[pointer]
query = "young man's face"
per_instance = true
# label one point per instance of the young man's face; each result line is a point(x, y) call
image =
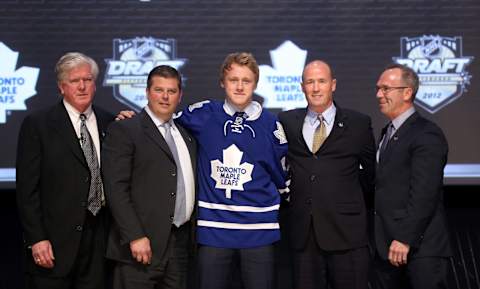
point(239, 84)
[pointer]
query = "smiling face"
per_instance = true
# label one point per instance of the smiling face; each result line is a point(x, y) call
point(318, 86)
point(163, 95)
point(393, 95)
point(78, 87)
point(239, 84)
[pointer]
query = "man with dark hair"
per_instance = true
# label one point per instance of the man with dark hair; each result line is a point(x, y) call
point(411, 236)
point(241, 148)
point(59, 186)
point(148, 165)
point(331, 154)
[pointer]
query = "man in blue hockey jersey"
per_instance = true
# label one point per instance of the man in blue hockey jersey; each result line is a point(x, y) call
point(240, 174)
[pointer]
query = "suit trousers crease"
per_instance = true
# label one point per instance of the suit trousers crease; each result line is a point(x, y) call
point(88, 271)
point(315, 268)
point(171, 273)
point(419, 273)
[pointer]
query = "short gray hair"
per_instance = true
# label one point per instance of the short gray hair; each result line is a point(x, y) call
point(73, 60)
point(409, 77)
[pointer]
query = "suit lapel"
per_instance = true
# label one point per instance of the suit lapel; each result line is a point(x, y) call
point(339, 126)
point(154, 134)
point(101, 125)
point(299, 120)
point(398, 137)
point(61, 123)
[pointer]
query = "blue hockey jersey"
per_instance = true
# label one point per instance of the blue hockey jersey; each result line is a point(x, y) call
point(240, 173)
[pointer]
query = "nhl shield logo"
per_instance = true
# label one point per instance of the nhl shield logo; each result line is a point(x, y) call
point(132, 60)
point(441, 67)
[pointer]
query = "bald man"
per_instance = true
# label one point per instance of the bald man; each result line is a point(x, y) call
point(331, 155)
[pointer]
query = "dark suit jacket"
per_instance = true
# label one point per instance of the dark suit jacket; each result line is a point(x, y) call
point(409, 190)
point(328, 187)
point(53, 182)
point(140, 185)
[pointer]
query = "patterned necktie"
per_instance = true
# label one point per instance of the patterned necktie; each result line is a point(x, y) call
point(95, 192)
point(320, 135)
point(180, 204)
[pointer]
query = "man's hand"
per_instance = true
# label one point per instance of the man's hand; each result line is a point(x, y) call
point(124, 114)
point(42, 254)
point(397, 255)
point(141, 250)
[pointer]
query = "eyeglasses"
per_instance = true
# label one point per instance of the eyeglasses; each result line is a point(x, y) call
point(387, 89)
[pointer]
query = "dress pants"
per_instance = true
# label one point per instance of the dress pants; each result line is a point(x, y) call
point(256, 267)
point(170, 273)
point(315, 268)
point(419, 273)
point(88, 271)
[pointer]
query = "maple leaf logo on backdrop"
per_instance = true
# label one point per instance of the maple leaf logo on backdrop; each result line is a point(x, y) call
point(231, 175)
point(280, 85)
point(16, 86)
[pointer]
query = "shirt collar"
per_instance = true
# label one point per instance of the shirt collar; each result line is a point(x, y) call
point(73, 111)
point(328, 115)
point(253, 109)
point(399, 120)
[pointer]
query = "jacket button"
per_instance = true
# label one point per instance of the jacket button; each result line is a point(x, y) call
point(309, 201)
point(312, 178)
point(174, 174)
point(315, 156)
point(83, 204)
point(87, 179)
point(171, 217)
point(374, 212)
point(78, 228)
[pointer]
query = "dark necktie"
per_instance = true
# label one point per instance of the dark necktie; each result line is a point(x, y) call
point(319, 135)
point(95, 192)
point(179, 217)
point(386, 138)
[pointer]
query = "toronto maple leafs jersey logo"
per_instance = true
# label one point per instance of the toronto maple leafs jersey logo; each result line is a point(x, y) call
point(231, 174)
point(16, 85)
point(237, 125)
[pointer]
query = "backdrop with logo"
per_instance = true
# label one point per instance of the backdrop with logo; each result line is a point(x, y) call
point(439, 39)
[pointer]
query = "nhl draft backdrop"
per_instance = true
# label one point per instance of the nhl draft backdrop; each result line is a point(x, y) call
point(439, 39)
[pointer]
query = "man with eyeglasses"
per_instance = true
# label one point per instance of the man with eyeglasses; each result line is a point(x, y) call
point(411, 236)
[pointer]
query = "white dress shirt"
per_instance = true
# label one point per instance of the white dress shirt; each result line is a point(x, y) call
point(184, 157)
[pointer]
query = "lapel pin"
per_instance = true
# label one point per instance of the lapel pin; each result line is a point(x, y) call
point(340, 124)
point(395, 137)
